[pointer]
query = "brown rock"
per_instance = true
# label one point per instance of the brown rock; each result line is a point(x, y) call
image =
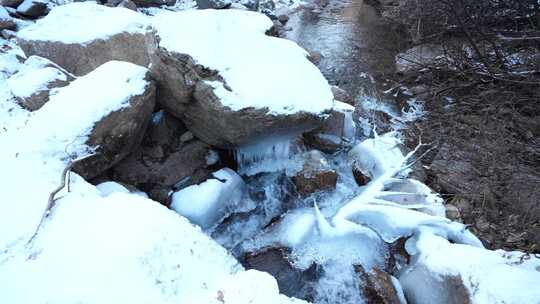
point(164, 162)
point(32, 8)
point(342, 95)
point(315, 175)
point(377, 286)
point(291, 281)
point(361, 178)
point(117, 134)
point(81, 59)
point(336, 132)
point(11, 3)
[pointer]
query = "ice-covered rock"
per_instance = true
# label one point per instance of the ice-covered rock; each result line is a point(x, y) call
point(375, 156)
point(207, 203)
point(32, 84)
point(236, 96)
point(442, 272)
point(81, 36)
point(379, 287)
point(165, 160)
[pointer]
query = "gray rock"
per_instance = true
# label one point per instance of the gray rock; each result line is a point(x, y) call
point(342, 95)
point(418, 57)
point(151, 3)
point(32, 8)
point(215, 4)
point(118, 133)
point(6, 21)
point(336, 132)
point(128, 4)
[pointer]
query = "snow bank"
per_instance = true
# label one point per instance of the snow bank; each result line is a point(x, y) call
point(83, 22)
point(490, 277)
point(34, 76)
point(52, 135)
point(236, 46)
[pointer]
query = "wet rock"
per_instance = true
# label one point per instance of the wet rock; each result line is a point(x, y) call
point(117, 134)
point(7, 34)
point(342, 95)
point(291, 281)
point(378, 287)
point(316, 175)
point(81, 49)
point(33, 83)
point(360, 177)
point(337, 131)
point(32, 8)
point(164, 162)
point(215, 4)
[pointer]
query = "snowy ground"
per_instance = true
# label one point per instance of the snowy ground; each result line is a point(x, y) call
point(106, 245)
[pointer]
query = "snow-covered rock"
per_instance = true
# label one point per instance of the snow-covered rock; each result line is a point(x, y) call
point(454, 273)
point(239, 94)
point(82, 36)
point(32, 84)
point(205, 204)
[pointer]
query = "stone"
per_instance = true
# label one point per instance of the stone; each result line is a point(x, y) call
point(316, 175)
point(7, 34)
point(205, 99)
point(215, 4)
point(120, 132)
point(128, 4)
point(342, 95)
point(377, 286)
point(11, 3)
point(452, 212)
point(187, 136)
point(337, 131)
point(164, 162)
point(360, 177)
point(33, 83)
point(283, 19)
point(80, 49)
point(418, 57)
point(153, 3)
point(291, 281)
point(6, 21)
point(32, 8)
point(315, 57)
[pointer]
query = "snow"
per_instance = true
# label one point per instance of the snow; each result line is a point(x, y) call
point(84, 22)
point(206, 203)
point(33, 77)
point(100, 244)
point(236, 46)
point(491, 277)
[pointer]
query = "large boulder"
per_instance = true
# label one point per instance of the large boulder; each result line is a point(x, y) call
point(129, 97)
point(166, 160)
point(82, 36)
point(32, 84)
point(241, 95)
